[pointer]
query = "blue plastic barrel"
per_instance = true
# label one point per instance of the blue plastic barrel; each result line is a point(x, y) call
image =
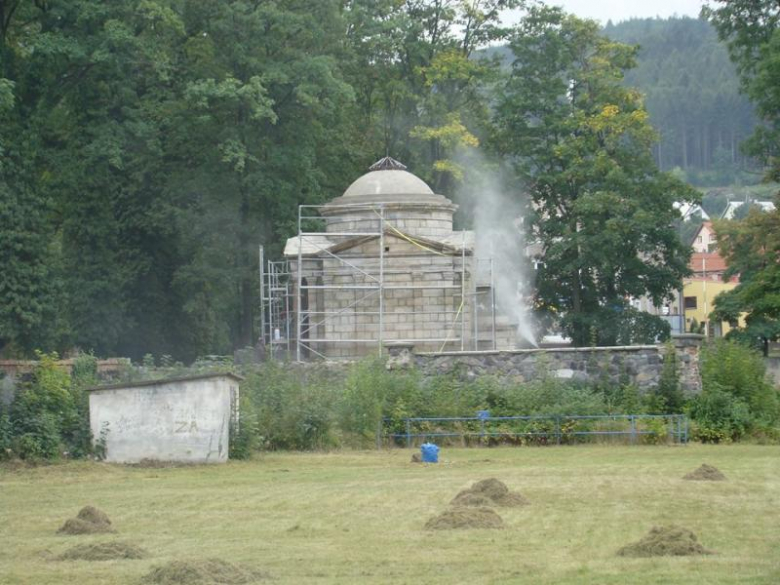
point(430, 453)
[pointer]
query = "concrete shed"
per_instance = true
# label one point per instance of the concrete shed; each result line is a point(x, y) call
point(179, 419)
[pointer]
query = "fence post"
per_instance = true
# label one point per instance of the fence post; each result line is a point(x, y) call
point(557, 429)
point(408, 433)
point(632, 419)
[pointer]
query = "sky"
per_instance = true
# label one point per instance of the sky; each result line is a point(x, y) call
point(617, 10)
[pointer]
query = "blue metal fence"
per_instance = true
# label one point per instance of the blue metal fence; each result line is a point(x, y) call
point(542, 429)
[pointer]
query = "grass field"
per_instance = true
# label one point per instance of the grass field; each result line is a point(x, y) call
point(357, 517)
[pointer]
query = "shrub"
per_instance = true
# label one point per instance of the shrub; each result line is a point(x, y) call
point(720, 416)
point(75, 429)
point(294, 408)
point(6, 434)
point(244, 432)
point(740, 371)
point(40, 410)
point(49, 415)
point(671, 399)
point(37, 437)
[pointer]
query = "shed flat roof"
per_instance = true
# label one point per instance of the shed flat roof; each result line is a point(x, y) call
point(161, 381)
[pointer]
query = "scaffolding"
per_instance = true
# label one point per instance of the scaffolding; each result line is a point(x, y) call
point(275, 316)
point(330, 301)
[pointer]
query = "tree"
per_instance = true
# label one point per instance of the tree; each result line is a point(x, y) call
point(26, 279)
point(158, 143)
point(751, 28)
point(260, 126)
point(751, 248)
point(600, 210)
point(420, 85)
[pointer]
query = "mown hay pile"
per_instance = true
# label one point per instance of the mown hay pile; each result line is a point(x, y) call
point(665, 541)
point(104, 551)
point(706, 473)
point(463, 517)
point(466, 498)
point(89, 520)
point(202, 572)
point(489, 492)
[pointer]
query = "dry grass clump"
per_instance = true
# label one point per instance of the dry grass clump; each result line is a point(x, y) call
point(463, 517)
point(202, 572)
point(511, 500)
point(489, 492)
point(89, 520)
point(706, 473)
point(104, 551)
point(467, 498)
point(665, 541)
point(160, 464)
point(416, 458)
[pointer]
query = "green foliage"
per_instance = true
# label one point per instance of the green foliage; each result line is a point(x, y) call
point(76, 432)
point(720, 416)
point(691, 92)
point(40, 411)
point(740, 372)
point(369, 395)
point(27, 284)
point(49, 416)
point(293, 411)
point(244, 432)
point(669, 390)
point(147, 147)
point(736, 398)
point(751, 248)
point(751, 29)
point(6, 434)
point(602, 213)
point(315, 407)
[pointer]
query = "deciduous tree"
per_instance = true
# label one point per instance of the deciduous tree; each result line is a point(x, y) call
point(600, 210)
point(751, 248)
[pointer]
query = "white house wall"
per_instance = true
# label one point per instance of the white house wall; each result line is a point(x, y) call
point(169, 421)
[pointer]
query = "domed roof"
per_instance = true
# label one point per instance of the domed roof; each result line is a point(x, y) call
point(388, 182)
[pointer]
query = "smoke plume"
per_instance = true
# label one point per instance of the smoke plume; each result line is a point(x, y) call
point(496, 208)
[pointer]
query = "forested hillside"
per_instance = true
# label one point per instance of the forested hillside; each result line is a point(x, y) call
point(692, 95)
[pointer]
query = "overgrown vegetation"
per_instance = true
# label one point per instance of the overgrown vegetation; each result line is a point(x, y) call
point(736, 398)
point(318, 406)
point(49, 415)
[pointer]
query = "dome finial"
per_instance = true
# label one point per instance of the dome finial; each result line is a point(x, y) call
point(387, 164)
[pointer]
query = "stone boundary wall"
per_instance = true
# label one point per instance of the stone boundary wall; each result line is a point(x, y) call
point(14, 371)
point(640, 364)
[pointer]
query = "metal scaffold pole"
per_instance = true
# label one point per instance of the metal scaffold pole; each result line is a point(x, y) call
point(381, 276)
point(492, 305)
point(261, 266)
point(299, 270)
point(463, 291)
